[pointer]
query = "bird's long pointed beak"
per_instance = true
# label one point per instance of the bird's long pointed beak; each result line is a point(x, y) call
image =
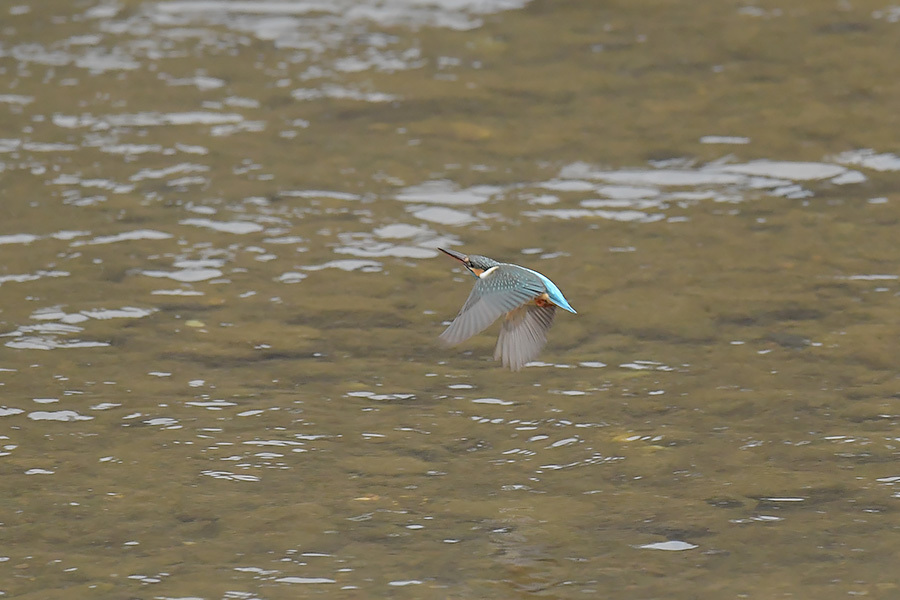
point(457, 255)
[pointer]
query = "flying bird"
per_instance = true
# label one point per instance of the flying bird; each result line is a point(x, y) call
point(525, 299)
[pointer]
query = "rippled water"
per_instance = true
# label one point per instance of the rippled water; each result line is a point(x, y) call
point(220, 295)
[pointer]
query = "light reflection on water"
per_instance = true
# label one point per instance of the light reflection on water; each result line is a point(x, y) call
point(220, 368)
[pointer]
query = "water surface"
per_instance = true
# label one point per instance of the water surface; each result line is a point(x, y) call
point(220, 295)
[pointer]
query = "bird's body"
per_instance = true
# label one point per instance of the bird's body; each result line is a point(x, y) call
point(526, 299)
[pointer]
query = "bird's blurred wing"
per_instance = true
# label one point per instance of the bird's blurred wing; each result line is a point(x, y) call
point(523, 334)
point(505, 288)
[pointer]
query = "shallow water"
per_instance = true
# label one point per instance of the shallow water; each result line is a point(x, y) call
point(220, 296)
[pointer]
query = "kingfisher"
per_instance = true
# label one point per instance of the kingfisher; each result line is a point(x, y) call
point(526, 299)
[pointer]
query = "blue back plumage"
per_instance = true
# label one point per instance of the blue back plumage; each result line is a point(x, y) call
point(555, 294)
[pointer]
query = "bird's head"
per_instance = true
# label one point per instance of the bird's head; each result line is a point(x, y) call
point(474, 263)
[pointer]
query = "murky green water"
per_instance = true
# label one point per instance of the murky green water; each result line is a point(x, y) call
point(220, 298)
